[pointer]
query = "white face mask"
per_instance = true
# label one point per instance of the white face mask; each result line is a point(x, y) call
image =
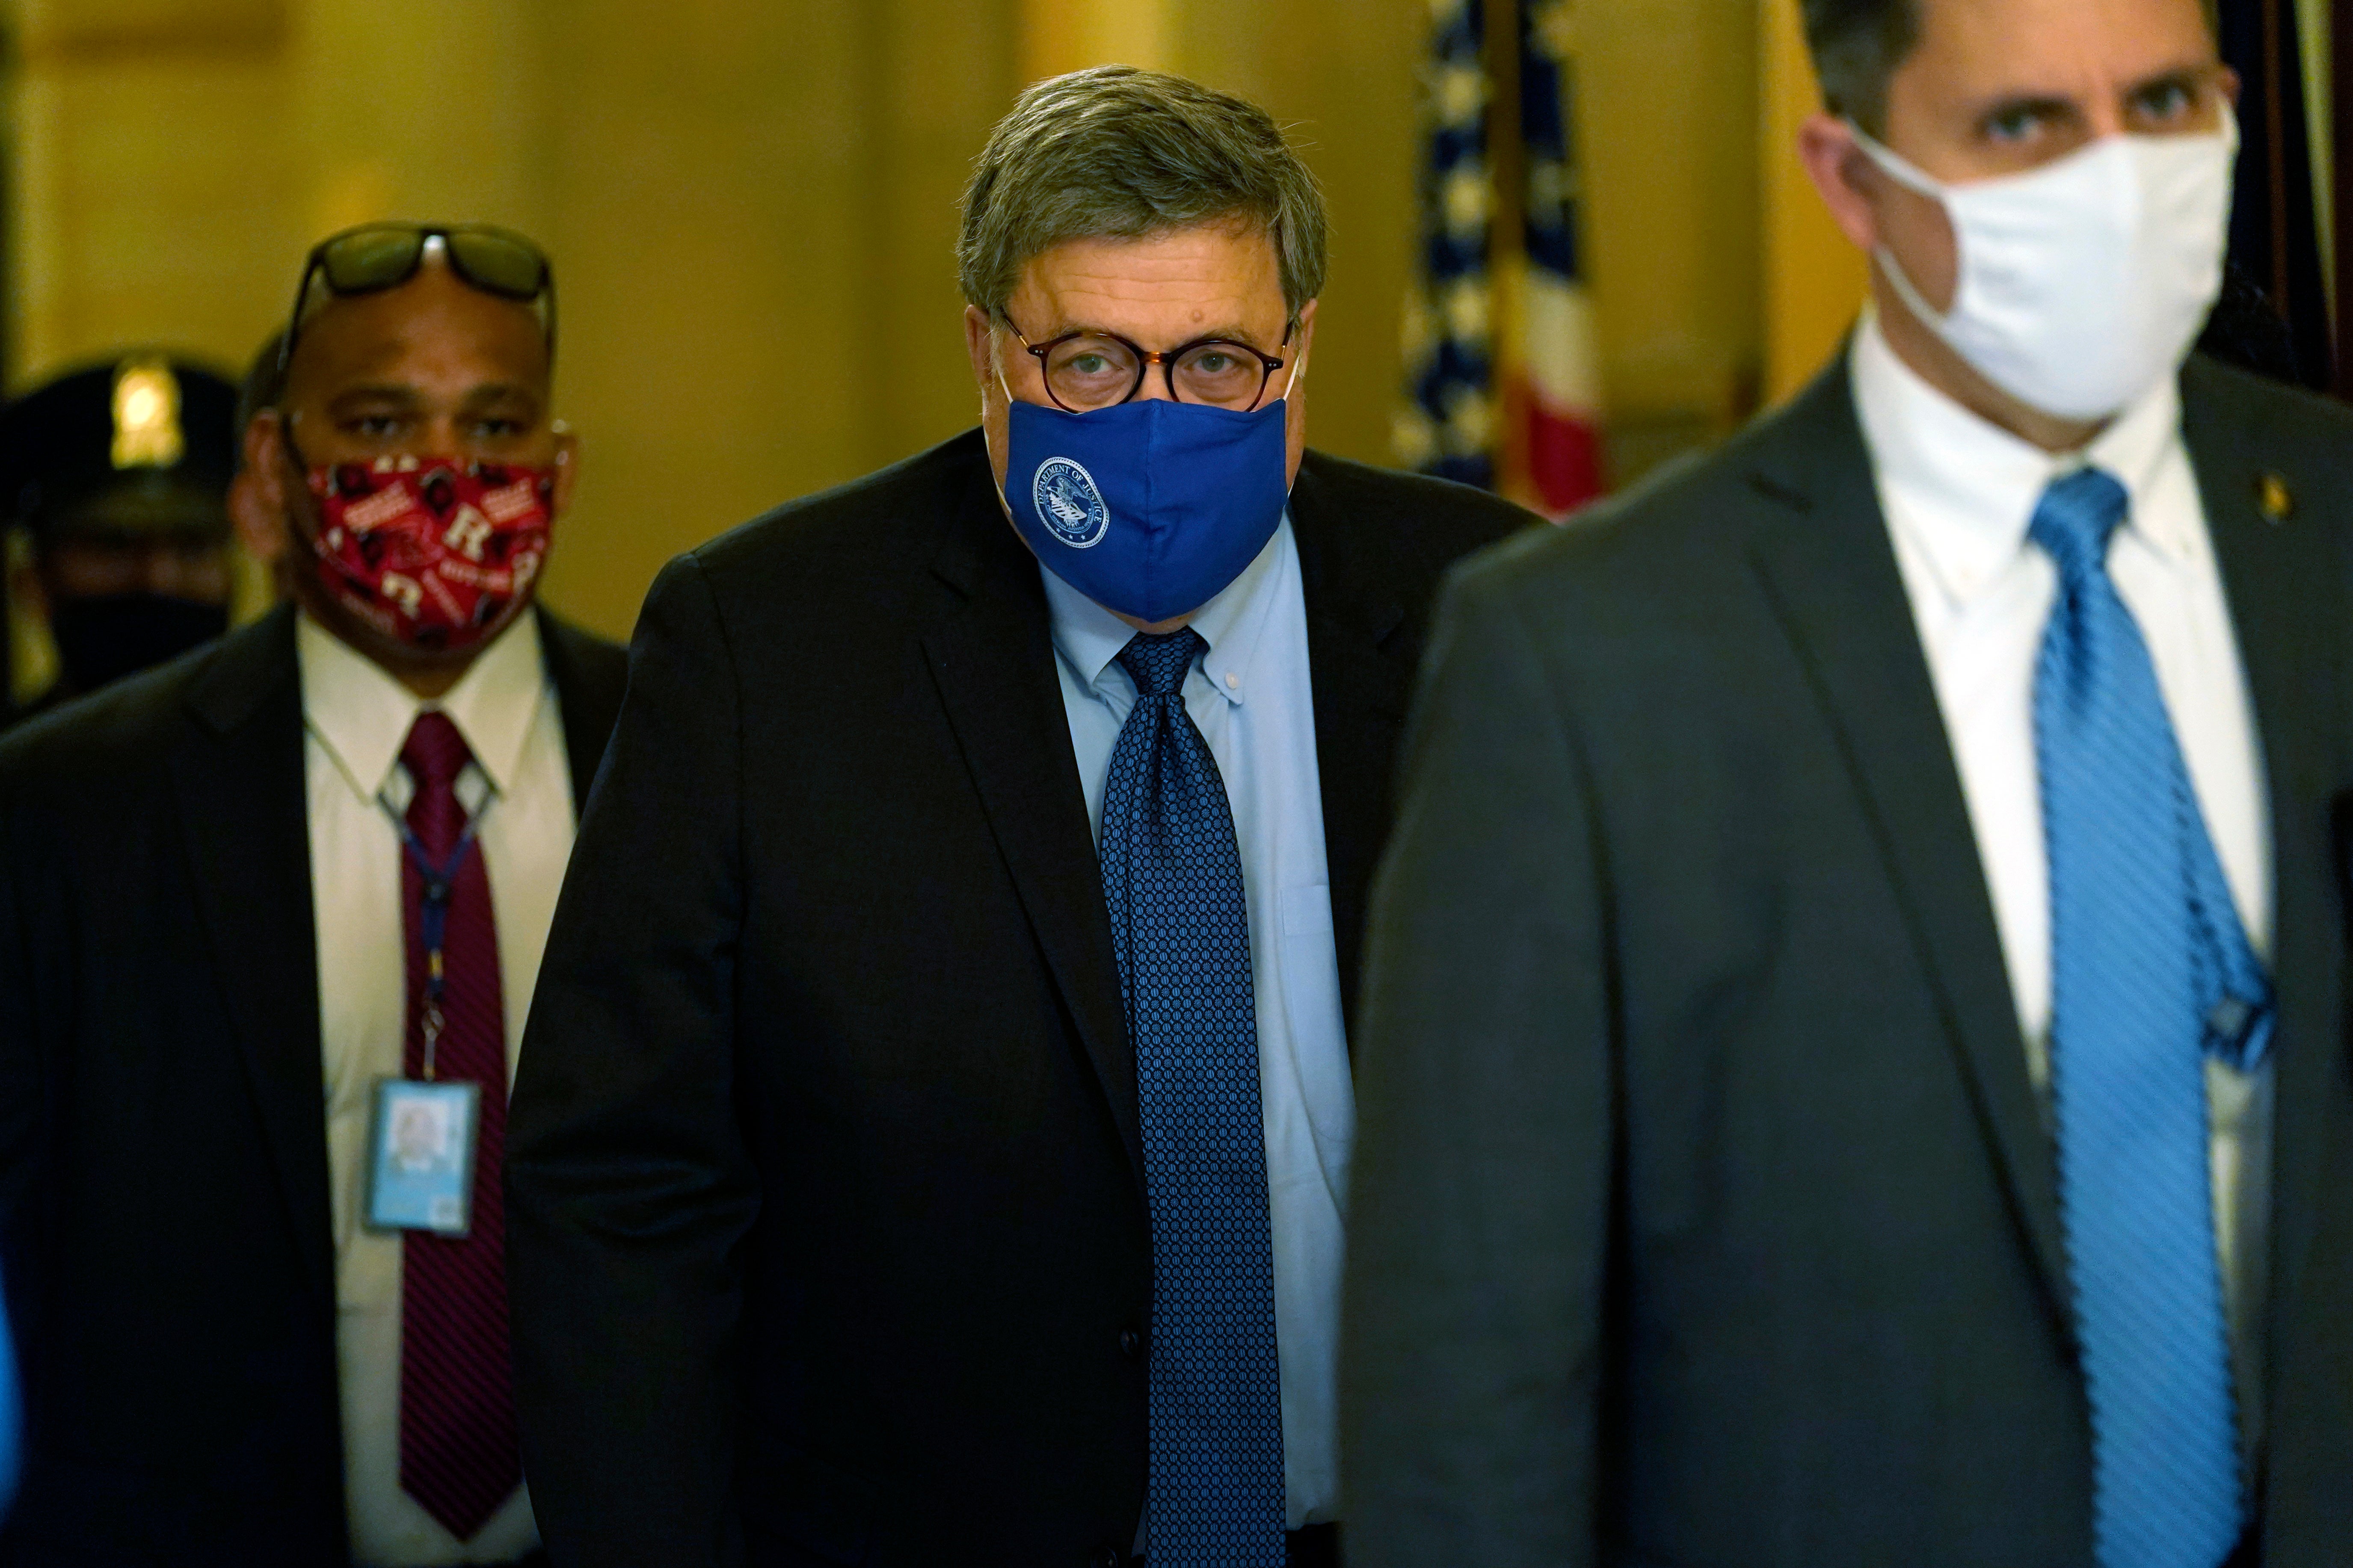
point(2085, 281)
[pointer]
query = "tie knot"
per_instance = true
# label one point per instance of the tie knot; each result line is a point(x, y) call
point(2073, 519)
point(1158, 663)
point(434, 753)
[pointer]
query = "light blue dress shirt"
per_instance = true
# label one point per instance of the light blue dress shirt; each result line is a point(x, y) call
point(1250, 697)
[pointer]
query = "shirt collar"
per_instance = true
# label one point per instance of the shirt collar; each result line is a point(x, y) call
point(1088, 637)
point(361, 715)
point(1968, 489)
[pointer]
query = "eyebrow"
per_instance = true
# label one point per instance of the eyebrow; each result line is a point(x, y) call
point(2190, 74)
point(375, 392)
point(2188, 77)
point(501, 392)
point(1230, 332)
point(2042, 106)
point(408, 396)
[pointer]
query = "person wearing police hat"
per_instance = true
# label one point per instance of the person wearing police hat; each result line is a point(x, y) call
point(119, 473)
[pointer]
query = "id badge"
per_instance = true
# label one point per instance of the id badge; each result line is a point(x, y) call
point(421, 1156)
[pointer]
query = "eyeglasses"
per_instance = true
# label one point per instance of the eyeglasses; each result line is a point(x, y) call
point(1087, 371)
point(380, 256)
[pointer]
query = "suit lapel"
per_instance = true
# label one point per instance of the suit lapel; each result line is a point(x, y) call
point(1831, 573)
point(238, 769)
point(1362, 675)
point(991, 656)
point(2283, 582)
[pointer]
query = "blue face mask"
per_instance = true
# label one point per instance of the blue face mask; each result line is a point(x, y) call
point(1149, 507)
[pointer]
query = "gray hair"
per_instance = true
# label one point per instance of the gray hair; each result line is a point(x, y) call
point(1117, 152)
point(1857, 46)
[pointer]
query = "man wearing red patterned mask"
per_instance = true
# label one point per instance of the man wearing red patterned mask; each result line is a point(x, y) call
point(310, 867)
point(412, 460)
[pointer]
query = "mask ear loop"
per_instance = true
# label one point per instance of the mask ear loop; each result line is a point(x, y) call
point(308, 520)
point(1298, 364)
point(997, 364)
point(1904, 173)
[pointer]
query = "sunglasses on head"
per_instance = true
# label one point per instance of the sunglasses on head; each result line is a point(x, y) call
point(379, 256)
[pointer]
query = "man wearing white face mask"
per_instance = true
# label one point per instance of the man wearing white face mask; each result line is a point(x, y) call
point(1921, 1132)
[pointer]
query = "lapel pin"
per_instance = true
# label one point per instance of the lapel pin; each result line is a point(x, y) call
point(2273, 498)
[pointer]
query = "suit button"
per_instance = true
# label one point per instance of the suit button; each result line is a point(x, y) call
point(1131, 1343)
point(1105, 1557)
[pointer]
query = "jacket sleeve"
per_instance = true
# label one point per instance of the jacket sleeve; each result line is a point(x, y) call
point(1475, 1347)
point(629, 1189)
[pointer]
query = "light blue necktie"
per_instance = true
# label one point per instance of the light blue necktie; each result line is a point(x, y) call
point(1180, 928)
point(2151, 968)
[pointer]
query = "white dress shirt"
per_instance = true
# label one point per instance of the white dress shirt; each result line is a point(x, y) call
point(357, 718)
point(1250, 698)
point(1958, 494)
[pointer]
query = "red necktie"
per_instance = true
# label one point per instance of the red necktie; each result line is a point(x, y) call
point(460, 1456)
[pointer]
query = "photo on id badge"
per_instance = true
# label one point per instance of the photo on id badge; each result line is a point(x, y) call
point(421, 1156)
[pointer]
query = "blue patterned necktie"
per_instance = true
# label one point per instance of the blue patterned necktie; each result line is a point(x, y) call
point(1173, 881)
point(2150, 968)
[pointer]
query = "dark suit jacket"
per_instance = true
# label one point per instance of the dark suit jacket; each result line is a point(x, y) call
point(826, 1218)
point(163, 1186)
point(1704, 1211)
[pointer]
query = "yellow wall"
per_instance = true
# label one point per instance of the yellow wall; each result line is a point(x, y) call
point(150, 191)
point(1339, 74)
point(1667, 125)
point(751, 207)
point(1060, 35)
point(754, 220)
point(751, 204)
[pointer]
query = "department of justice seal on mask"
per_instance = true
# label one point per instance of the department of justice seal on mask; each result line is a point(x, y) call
point(1201, 489)
point(1069, 503)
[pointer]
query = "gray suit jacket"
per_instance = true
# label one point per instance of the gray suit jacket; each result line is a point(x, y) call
point(1704, 1215)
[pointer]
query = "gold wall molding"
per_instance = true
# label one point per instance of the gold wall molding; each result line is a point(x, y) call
point(48, 33)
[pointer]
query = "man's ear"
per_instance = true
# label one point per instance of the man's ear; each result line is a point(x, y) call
point(979, 344)
point(1838, 167)
point(982, 349)
point(257, 497)
point(567, 465)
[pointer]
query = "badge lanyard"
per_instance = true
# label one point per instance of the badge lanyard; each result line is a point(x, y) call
point(421, 1145)
point(433, 916)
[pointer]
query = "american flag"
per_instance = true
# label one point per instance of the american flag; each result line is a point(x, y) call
point(1555, 394)
point(1502, 368)
point(1445, 424)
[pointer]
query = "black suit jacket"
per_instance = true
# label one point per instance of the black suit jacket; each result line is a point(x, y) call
point(825, 1219)
point(1703, 1210)
point(164, 1184)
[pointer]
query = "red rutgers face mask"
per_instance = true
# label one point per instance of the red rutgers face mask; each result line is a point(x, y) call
point(432, 550)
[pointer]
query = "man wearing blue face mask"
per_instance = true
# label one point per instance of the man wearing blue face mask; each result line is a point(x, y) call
point(933, 1140)
point(1854, 1055)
